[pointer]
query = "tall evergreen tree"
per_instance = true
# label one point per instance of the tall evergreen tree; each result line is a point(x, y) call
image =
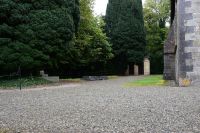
point(112, 15)
point(125, 27)
point(37, 34)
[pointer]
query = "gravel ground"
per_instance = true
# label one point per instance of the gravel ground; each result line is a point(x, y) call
point(101, 106)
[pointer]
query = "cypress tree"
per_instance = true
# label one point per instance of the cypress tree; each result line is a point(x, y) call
point(125, 27)
point(112, 15)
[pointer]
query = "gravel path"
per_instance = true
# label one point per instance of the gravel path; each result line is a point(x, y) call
point(102, 106)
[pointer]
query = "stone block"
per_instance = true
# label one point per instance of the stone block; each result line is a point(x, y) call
point(190, 36)
point(188, 62)
point(190, 23)
point(196, 69)
point(196, 42)
point(196, 15)
point(192, 49)
point(42, 73)
point(52, 78)
point(196, 63)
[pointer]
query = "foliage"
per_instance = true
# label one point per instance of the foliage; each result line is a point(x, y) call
point(91, 42)
point(37, 34)
point(125, 28)
point(157, 12)
point(156, 16)
point(26, 82)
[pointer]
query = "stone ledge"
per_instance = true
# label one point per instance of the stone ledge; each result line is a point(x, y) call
point(94, 78)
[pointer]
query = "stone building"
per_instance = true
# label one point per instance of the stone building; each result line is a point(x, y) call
point(182, 48)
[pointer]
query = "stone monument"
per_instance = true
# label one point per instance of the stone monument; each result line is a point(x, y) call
point(146, 66)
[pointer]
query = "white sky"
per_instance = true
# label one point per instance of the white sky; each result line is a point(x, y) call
point(100, 6)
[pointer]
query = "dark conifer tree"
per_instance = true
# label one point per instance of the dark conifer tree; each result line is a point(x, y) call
point(37, 34)
point(125, 27)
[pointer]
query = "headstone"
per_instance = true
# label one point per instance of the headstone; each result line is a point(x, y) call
point(41, 72)
point(136, 70)
point(146, 66)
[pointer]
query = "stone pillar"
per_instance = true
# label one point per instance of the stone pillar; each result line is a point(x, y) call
point(136, 70)
point(146, 66)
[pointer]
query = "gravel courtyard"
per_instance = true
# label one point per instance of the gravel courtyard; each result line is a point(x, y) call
point(101, 106)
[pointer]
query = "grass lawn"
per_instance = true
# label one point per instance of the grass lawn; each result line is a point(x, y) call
point(25, 82)
point(153, 80)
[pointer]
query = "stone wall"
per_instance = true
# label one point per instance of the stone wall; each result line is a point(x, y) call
point(169, 54)
point(188, 42)
point(194, 49)
point(182, 48)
